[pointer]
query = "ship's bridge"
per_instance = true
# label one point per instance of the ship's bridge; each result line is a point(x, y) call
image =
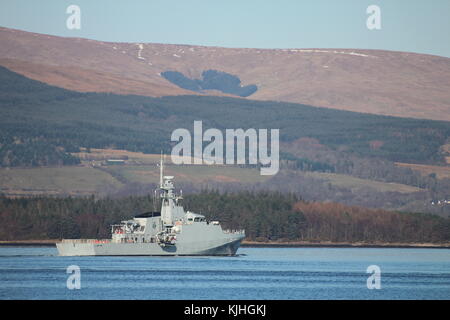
point(194, 217)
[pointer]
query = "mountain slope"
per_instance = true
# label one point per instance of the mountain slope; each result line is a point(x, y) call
point(33, 110)
point(43, 125)
point(372, 81)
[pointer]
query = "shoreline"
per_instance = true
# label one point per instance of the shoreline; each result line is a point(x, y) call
point(271, 244)
point(328, 244)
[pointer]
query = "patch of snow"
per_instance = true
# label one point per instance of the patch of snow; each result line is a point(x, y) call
point(177, 56)
point(352, 53)
point(358, 54)
point(141, 47)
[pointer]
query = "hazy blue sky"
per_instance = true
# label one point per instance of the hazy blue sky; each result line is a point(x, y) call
point(407, 25)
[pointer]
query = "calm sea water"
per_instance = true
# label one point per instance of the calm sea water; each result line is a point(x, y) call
point(256, 273)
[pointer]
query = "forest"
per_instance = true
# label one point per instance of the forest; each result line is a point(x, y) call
point(266, 216)
point(65, 120)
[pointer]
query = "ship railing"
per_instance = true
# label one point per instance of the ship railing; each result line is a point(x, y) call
point(86, 240)
point(234, 231)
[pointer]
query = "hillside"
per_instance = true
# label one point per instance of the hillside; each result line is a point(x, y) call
point(327, 155)
point(34, 112)
point(372, 81)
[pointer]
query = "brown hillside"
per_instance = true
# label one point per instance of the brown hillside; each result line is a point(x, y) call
point(373, 81)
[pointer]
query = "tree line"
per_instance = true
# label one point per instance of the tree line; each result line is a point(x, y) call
point(266, 216)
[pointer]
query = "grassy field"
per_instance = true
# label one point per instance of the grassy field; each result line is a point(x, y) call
point(73, 180)
point(82, 180)
point(188, 173)
point(353, 183)
point(105, 154)
point(440, 171)
point(129, 156)
point(142, 168)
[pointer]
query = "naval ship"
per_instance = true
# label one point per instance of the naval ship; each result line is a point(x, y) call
point(169, 232)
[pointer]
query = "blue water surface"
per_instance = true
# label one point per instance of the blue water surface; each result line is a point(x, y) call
point(255, 273)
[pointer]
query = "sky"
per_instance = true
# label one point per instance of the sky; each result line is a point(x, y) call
point(406, 25)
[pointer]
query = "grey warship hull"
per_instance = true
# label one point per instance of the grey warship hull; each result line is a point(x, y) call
point(75, 248)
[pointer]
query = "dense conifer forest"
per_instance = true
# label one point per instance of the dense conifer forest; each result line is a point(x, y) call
point(266, 216)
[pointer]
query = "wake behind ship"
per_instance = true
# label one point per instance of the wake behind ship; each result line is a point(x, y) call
point(172, 231)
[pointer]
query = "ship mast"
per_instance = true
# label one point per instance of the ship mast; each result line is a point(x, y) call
point(161, 168)
point(168, 208)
